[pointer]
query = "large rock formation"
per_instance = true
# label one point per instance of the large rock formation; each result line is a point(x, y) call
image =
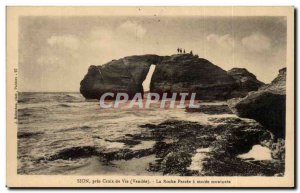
point(245, 80)
point(173, 74)
point(188, 73)
point(123, 75)
point(267, 105)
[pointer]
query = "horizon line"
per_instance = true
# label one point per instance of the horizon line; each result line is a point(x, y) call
point(50, 91)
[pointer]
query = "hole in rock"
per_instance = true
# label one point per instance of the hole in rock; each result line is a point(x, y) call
point(257, 152)
point(146, 83)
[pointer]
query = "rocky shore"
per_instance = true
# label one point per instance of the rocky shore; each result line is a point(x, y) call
point(177, 147)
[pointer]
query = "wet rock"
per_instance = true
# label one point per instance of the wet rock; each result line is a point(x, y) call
point(238, 139)
point(145, 136)
point(211, 109)
point(149, 126)
point(160, 148)
point(267, 105)
point(278, 150)
point(176, 163)
point(74, 153)
point(126, 141)
point(229, 138)
point(125, 154)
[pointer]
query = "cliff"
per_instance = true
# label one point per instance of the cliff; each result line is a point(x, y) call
point(245, 80)
point(267, 105)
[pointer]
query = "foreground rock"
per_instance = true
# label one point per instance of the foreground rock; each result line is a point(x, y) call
point(189, 148)
point(267, 105)
point(176, 147)
point(245, 80)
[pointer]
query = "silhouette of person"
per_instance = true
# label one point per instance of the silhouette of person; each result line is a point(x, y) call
point(184, 51)
point(191, 52)
point(177, 50)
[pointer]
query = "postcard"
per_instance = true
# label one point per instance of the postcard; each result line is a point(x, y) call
point(150, 97)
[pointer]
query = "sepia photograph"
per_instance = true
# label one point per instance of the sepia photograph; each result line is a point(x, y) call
point(150, 96)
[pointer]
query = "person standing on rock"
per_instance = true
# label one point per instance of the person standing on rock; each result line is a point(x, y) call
point(178, 50)
point(184, 51)
point(191, 52)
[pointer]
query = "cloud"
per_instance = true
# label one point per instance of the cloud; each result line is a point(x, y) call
point(50, 62)
point(256, 42)
point(47, 60)
point(65, 41)
point(101, 38)
point(133, 28)
point(127, 31)
point(113, 42)
point(223, 41)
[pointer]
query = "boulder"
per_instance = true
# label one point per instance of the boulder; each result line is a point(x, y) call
point(191, 74)
point(245, 80)
point(267, 105)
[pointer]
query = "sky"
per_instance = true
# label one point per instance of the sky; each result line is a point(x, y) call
point(55, 52)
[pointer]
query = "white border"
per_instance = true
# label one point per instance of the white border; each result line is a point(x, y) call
point(110, 2)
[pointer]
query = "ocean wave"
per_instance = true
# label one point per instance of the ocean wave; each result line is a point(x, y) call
point(27, 113)
point(64, 105)
point(74, 128)
point(49, 97)
point(24, 100)
point(28, 134)
point(68, 98)
point(74, 153)
point(31, 109)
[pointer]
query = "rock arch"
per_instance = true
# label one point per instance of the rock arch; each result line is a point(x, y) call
point(173, 74)
point(123, 75)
